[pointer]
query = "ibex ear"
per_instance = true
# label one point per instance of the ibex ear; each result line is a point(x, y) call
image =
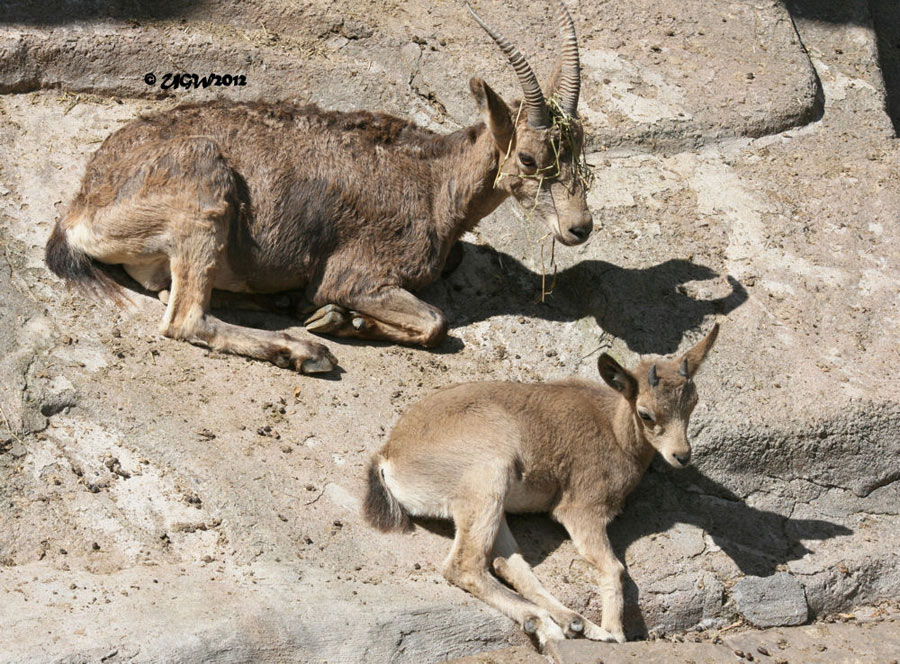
point(617, 377)
point(692, 359)
point(494, 112)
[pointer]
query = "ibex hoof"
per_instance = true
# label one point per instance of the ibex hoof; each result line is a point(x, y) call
point(530, 625)
point(318, 364)
point(327, 318)
point(327, 323)
point(576, 625)
point(596, 633)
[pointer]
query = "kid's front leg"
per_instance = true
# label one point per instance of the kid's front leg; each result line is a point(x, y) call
point(589, 535)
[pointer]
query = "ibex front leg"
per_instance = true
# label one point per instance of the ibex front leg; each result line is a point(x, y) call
point(391, 314)
point(588, 532)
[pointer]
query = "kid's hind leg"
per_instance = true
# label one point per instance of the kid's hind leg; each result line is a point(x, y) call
point(514, 569)
point(187, 314)
point(477, 523)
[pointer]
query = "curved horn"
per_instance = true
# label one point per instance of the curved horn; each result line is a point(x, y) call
point(683, 369)
point(569, 82)
point(652, 377)
point(538, 115)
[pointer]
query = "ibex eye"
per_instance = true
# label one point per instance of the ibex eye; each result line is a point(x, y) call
point(645, 415)
point(527, 160)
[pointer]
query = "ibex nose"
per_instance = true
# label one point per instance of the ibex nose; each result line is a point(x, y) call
point(580, 233)
point(683, 459)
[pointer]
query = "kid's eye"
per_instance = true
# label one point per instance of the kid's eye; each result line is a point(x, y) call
point(527, 160)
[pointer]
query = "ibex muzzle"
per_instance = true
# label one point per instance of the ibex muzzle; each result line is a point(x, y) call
point(543, 165)
point(358, 210)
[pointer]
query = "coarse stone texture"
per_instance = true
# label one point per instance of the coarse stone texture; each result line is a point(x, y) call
point(771, 601)
point(864, 642)
point(162, 502)
point(642, 62)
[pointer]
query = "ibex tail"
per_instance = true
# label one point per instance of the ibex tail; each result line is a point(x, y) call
point(382, 510)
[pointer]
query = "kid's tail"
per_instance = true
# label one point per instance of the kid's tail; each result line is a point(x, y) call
point(382, 510)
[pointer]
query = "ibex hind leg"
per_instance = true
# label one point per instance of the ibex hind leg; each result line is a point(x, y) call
point(187, 317)
point(197, 230)
point(192, 264)
point(477, 523)
point(510, 566)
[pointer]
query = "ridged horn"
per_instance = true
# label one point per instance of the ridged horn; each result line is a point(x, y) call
point(652, 377)
point(535, 105)
point(568, 84)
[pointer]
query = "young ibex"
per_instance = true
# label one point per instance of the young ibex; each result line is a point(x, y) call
point(573, 448)
point(356, 209)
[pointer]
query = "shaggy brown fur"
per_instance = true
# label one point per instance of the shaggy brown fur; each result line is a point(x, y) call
point(574, 448)
point(356, 209)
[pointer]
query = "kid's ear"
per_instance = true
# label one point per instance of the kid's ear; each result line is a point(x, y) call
point(617, 377)
point(494, 111)
point(692, 359)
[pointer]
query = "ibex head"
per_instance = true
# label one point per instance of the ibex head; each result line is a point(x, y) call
point(540, 145)
point(662, 396)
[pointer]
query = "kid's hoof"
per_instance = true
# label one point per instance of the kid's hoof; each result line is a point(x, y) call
point(595, 633)
point(576, 626)
point(530, 625)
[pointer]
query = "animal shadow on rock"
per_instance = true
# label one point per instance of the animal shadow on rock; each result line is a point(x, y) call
point(758, 541)
point(60, 12)
point(647, 308)
point(884, 17)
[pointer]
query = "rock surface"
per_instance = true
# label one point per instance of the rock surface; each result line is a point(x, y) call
point(866, 642)
point(771, 601)
point(642, 63)
point(162, 502)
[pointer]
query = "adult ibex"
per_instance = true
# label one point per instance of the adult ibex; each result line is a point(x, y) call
point(356, 209)
point(572, 448)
